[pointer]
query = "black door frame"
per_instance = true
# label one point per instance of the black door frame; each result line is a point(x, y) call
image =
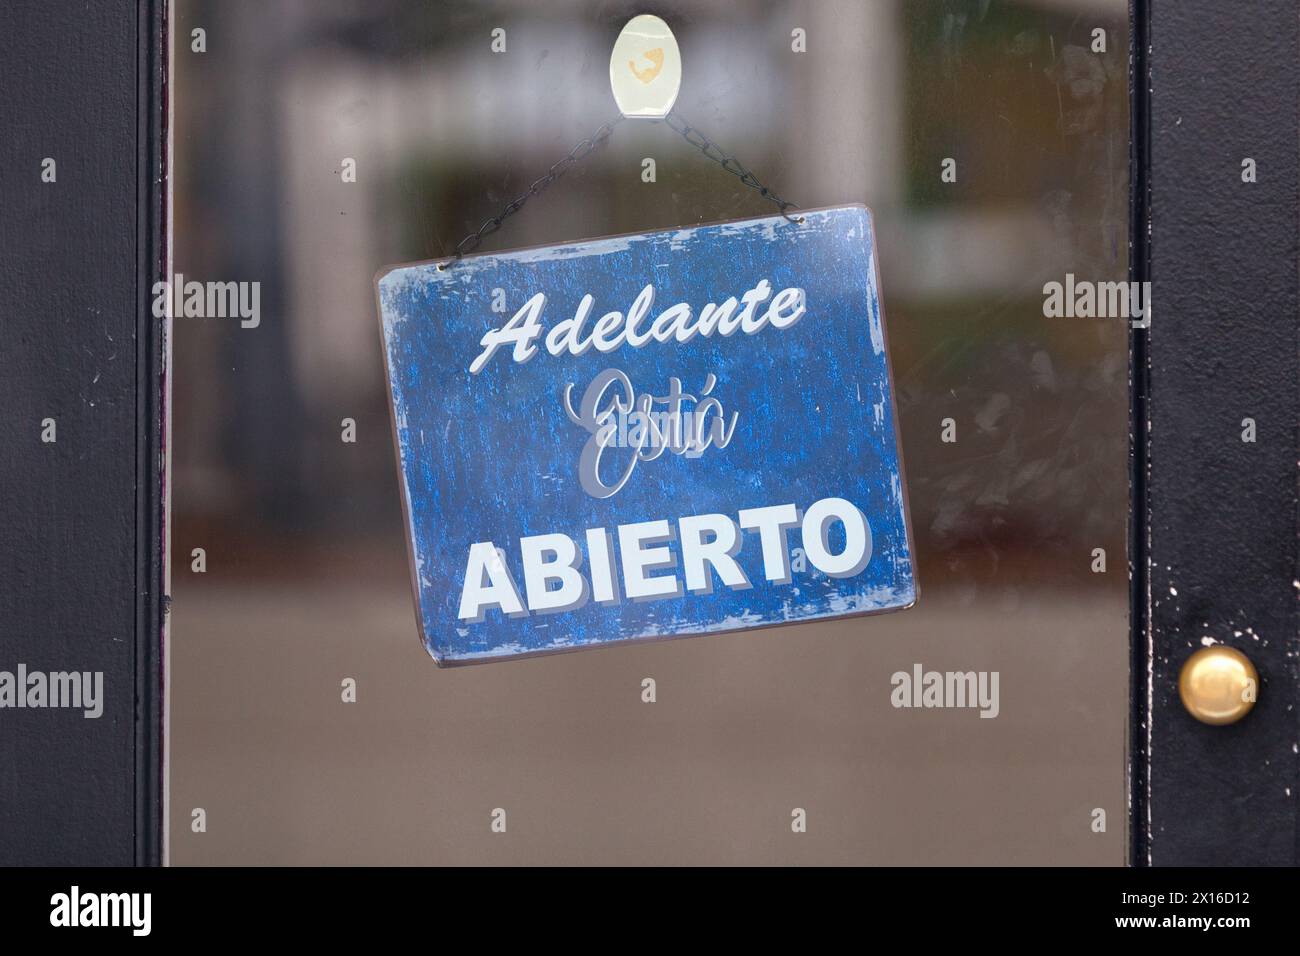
point(81, 517)
point(1214, 518)
point(152, 350)
point(1214, 543)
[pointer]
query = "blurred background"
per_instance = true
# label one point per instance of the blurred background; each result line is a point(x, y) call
point(306, 580)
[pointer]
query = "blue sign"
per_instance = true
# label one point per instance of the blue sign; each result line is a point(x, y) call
point(647, 436)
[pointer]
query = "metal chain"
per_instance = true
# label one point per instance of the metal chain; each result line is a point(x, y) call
point(706, 146)
point(713, 151)
point(475, 239)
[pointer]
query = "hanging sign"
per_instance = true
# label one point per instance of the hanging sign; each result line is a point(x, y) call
point(647, 436)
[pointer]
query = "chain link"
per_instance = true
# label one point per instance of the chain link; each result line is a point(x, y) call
point(707, 147)
point(713, 151)
point(580, 151)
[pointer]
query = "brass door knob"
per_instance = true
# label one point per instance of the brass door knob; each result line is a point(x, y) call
point(1218, 685)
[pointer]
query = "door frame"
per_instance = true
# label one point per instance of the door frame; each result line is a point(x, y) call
point(1214, 538)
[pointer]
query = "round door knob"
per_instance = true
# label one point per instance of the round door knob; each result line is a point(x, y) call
point(1218, 685)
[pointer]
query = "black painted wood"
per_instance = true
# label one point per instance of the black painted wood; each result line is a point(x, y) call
point(150, 437)
point(1139, 389)
point(79, 518)
point(1223, 347)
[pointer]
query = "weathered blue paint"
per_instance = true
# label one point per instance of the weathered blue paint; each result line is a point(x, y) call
point(493, 456)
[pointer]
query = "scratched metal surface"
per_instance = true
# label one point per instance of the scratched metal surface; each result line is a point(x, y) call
point(492, 455)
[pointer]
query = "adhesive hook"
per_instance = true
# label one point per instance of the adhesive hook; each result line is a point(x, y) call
point(645, 68)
